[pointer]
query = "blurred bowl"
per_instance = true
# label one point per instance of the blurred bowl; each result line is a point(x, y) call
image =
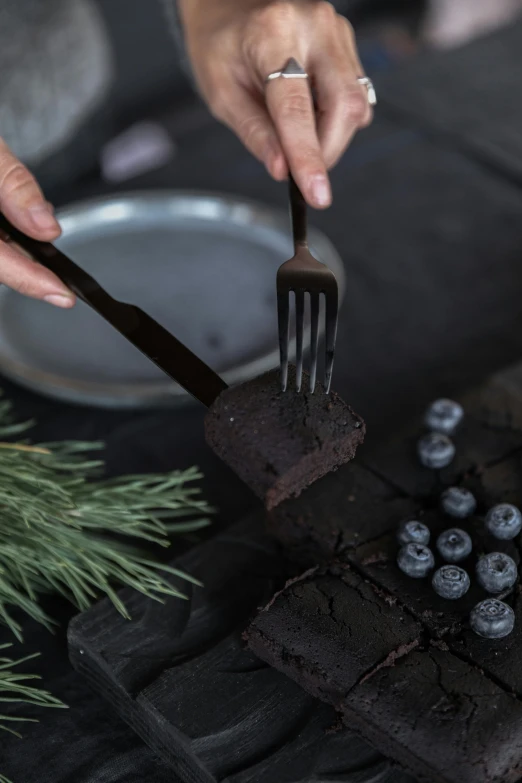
point(203, 265)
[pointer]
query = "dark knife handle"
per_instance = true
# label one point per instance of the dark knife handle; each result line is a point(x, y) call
point(152, 339)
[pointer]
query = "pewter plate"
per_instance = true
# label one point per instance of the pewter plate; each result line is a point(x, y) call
point(203, 265)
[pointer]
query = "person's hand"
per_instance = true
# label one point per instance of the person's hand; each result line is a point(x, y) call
point(233, 46)
point(24, 205)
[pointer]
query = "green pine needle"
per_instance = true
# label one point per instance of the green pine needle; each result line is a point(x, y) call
point(15, 688)
point(58, 527)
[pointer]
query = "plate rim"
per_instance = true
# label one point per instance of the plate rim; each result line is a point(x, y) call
point(163, 392)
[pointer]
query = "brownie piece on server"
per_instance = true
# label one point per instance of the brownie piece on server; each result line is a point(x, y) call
point(339, 512)
point(280, 442)
point(351, 645)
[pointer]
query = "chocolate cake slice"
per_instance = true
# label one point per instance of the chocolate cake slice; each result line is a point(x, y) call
point(440, 717)
point(340, 512)
point(280, 442)
point(328, 629)
point(351, 644)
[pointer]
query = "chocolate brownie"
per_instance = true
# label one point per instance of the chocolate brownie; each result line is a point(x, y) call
point(340, 511)
point(328, 629)
point(499, 483)
point(353, 646)
point(280, 442)
point(500, 658)
point(441, 718)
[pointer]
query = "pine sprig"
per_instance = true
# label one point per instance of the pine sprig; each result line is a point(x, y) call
point(58, 526)
point(64, 530)
point(14, 687)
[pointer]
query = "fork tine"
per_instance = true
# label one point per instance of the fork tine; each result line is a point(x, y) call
point(283, 315)
point(330, 335)
point(314, 335)
point(299, 329)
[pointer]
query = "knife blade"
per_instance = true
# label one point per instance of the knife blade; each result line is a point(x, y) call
point(147, 335)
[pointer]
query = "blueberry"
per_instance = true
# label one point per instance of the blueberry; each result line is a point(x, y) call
point(443, 416)
point(504, 521)
point(415, 560)
point(458, 502)
point(454, 545)
point(413, 532)
point(435, 450)
point(450, 582)
point(496, 572)
point(492, 619)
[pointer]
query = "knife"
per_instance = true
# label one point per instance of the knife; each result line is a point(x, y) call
point(146, 334)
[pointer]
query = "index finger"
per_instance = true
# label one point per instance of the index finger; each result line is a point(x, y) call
point(290, 104)
point(21, 199)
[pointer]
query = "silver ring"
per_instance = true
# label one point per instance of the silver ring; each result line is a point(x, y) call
point(292, 70)
point(364, 81)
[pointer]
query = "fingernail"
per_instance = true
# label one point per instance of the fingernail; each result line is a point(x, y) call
point(59, 300)
point(43, 218)
point(321, 193)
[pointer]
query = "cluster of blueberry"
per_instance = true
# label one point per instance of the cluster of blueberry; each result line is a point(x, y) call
point(495, 572)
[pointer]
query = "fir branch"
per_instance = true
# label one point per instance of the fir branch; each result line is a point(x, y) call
point(57, 526)
point(14, 687)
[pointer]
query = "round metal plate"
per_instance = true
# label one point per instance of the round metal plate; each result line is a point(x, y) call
point(203, 265)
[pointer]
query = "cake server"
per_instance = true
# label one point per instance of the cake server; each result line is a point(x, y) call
point(146, 334)
point(305, 274)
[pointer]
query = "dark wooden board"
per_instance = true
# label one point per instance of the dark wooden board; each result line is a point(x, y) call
point(180, 675)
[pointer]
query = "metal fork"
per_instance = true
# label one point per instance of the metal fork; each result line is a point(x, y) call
point(304, 274)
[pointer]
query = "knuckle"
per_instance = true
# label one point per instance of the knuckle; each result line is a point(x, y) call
point(249, 128)
point(24, 287)
point(325, 13)
point(295, 106)
point(310, 161)
point(275, 17)
point(14, 177)
point(349, 29)
point(348, 26)
point(355, 106)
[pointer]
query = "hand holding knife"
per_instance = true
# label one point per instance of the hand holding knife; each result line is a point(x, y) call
point(146, 334)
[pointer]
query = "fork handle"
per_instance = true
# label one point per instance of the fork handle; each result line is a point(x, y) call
point(298, 211)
